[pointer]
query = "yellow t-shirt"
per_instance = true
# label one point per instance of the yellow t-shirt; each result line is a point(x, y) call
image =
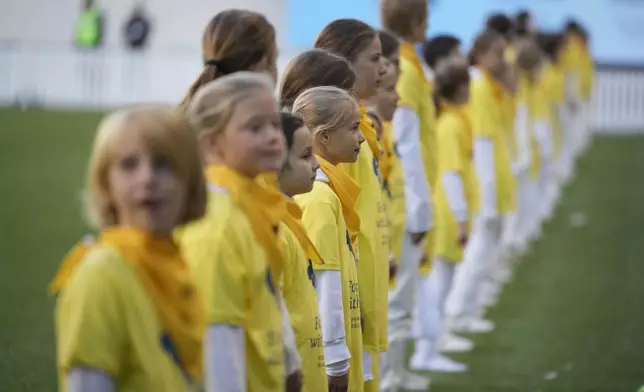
point(395, 192)
point(554, 83)
point(572, 61)
point(232, 273)
point(373, 251)
point(322, 217)
point(509, 113)
point(454, 155)
point(105, 320)
point(298, 288)
point(486, 113)
point(415, 92)
point(587, 73)
point(535, 96)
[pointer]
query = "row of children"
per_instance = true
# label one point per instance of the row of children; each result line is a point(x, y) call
point(250, 243)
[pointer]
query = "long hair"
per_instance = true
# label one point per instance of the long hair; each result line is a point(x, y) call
point(234, 40)
point(346, 38)
point(314, 68)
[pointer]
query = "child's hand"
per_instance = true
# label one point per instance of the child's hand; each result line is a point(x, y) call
point(294, 382)
point(463, 234)
point(424, 259)
point(339, 383)
point(393, 267)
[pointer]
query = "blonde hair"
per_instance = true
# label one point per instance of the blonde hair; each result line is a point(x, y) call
point(213, 105)
point(324, 109)
point(164, 132)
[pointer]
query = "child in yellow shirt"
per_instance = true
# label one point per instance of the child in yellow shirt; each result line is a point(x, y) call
point(360, 45)
point(235, 251)
point(533, 100)
point(129, 317)
point(495, 188)
point(332, 221)
point(296, 177)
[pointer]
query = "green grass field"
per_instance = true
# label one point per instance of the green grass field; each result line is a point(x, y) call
point(575, 307)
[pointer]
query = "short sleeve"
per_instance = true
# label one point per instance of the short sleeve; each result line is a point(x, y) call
point(450, 152)
point(90, 325)
point(407, 86)
point(481, 109)
point(320, 221)
point(219, 268)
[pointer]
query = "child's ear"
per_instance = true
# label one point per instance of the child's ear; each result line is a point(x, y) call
point(323, 137)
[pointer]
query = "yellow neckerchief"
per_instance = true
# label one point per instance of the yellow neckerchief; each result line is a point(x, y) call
point(369, 133)
point(408, 52)
point(294, 222)
point(167, 280)
point(69, 264)
point(263, 204)
point(347, 191)
point(461, 113)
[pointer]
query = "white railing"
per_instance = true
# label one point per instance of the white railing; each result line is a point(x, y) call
point(618, 104)
point(66, 77)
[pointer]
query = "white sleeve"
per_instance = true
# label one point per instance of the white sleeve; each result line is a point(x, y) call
point(225, 359)
point(367, 366)
point(543, 133)
point(406, 126)
point(522, 132)
point(81, 379)
point(336, 352)
point(484, 163)
point(453, 183)
point(292, 360)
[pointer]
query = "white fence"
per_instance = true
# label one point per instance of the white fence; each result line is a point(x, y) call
point(65, 77)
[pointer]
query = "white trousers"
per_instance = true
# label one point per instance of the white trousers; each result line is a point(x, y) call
point(402, 300)
point(462, 300)
point(434, 289)
point(403, 297)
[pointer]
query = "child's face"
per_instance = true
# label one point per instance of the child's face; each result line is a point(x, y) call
point(387, 98)
point(419, 30)
point(493, 59)
point(456, 55)
point(253, 142)
point(145, 190)
point(343, 144)
point(298, 172)
point(369, 68)
point(393, 61)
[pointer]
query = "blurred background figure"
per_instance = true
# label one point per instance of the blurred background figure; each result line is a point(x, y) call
point(136, 34)
point(137, 28)
point(89, 37)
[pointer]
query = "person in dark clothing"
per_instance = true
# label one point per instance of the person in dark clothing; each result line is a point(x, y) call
point(137, 29)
